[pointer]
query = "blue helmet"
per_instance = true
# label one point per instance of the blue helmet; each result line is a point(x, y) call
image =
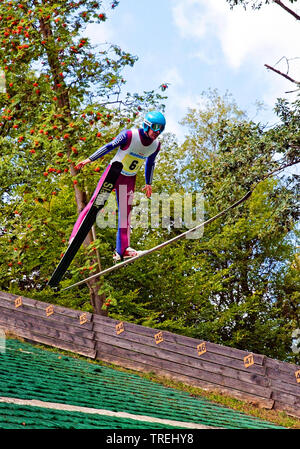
point(154, 120)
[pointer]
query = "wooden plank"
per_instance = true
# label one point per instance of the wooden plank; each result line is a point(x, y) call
point(285, 387)
point(186, 363)
point(32, 336)
point(286, 398)
point(180, 349)
point(41, 312)
point(282, 367)
point(197, 373)
point(207, 386)
point(70, 313)
point(48, 322)
point(290, 410)
point(209, 355)
point(239, 354)
point(40, 329)
point(217, 349)
point(286, 371)
point(177, 339)
point(282, 376)
point(182, 358)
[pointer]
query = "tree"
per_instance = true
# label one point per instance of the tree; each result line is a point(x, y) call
point(245, 255)
point(63, 99)
point(235, 285)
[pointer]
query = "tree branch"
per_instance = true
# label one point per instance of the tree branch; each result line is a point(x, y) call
point(282, 74)
point(279, 169)
point(286, 8)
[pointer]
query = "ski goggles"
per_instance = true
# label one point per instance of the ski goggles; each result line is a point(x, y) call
point(155, 126)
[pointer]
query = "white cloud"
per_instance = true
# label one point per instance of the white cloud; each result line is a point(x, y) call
point(173, 76)
point(242, 42)
point(189, 20)
point(100, 33)
point(243, 35)
point(204, 56)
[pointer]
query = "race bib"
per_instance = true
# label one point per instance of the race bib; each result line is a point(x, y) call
point(131, 163)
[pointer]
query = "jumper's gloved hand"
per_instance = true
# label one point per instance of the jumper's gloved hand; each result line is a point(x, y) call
point(148, 190)
point(82, 164)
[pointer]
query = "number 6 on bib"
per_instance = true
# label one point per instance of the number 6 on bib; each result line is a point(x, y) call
point(131, 164)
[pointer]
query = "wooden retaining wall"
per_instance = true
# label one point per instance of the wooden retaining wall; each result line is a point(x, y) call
point(252, 377)
point(44, 323)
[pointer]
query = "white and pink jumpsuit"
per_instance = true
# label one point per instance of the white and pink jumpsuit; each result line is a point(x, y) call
point(135, 149)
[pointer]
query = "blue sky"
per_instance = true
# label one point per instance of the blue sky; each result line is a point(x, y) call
point(199, 44)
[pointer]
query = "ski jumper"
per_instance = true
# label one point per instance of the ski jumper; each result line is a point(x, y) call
point(135, 148)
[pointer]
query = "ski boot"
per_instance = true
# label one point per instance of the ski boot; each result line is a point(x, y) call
point(128, 254)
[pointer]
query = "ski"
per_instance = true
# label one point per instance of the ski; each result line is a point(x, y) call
point(162, 245)
point(87, 223)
